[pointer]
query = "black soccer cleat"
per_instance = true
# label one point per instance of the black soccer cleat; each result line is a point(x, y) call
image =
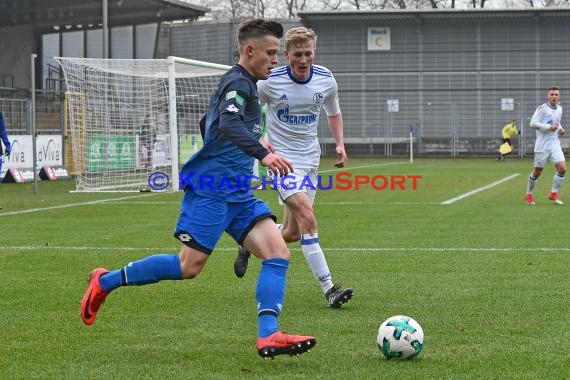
point(240, 264)
point(337, 296)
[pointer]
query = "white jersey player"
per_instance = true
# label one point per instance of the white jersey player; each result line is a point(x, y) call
point(294, 108)
point(295, 96)
point(547, 122)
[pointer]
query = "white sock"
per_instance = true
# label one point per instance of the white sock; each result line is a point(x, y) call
point(531, 183)
point(316, 260)
point(557, 182)
point(279, 226)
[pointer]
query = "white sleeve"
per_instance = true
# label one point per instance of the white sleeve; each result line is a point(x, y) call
point(535, 121)
point(331, 104)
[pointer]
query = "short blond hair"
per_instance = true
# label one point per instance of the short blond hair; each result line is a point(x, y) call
point(299, 34)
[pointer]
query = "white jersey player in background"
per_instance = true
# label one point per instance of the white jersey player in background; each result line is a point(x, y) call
point(546, 121)
point(295, 95)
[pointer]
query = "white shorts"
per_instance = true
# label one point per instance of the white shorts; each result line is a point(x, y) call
point(301, 181)
point(555, 156)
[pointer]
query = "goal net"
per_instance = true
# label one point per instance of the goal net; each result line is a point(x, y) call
point(134, 122)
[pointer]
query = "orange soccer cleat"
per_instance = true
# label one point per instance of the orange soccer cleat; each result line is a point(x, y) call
point(554, 197)
point(94, 297)
point(280, 343)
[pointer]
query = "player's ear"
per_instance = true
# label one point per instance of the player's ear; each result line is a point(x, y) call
point(249, 50)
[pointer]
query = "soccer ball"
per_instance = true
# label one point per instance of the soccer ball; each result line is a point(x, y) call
point(400, 337)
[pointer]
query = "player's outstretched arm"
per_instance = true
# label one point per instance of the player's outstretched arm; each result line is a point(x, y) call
point(336, 125)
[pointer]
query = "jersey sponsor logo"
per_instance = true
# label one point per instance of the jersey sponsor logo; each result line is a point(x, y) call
point(318, 97)
point(234, 95)
point(232, 108)
point(283, 115)
point(283, 97)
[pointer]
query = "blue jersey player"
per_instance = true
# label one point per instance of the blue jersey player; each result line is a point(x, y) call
point(217, 198)
point(4, 138)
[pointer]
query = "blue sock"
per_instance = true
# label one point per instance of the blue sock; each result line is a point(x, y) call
point(270, 293)
point(146, 271)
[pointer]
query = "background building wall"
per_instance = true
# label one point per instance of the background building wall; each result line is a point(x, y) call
point(16, 46)
point(448, 71)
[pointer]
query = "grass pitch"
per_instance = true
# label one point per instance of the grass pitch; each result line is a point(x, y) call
point(484, 274)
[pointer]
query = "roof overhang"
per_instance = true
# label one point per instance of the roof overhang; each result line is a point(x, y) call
point(309, 17)
point(81, 14)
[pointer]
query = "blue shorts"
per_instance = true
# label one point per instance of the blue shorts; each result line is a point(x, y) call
point(203, 220)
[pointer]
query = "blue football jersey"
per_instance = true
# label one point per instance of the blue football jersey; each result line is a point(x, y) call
point(231, 129)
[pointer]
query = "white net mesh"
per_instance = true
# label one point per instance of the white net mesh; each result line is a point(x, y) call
point(117, 115)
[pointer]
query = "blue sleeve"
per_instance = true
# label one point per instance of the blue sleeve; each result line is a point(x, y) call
point(3, 133)
point(232, 128)
point(232, 108)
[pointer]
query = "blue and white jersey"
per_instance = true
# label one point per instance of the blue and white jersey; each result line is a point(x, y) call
point(3, 134)
point(293, 112)
point(543, 117)
point(231, 130)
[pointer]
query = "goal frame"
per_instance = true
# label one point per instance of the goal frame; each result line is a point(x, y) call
point(87, 86)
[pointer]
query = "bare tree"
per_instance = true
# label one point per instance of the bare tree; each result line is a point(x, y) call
point(234, 9)
point(293, 6)
point(481, 3)
point(333, 4)
point(355, 3)
point(290, 5)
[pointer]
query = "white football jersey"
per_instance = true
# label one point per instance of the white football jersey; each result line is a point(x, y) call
point(293, 112)
point(543, 117)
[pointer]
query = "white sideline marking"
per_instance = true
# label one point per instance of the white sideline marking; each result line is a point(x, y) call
point(117, 200)
point(374, 203)
point(469, 193)
point(72, 205)
point(350, 250)
point(144, 203)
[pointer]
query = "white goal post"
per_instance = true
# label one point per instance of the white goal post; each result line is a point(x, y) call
point(132, 123)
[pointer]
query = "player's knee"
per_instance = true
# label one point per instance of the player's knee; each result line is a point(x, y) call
point(281, 252)
point(308, 221)
point(190, 264)
point(189, 273)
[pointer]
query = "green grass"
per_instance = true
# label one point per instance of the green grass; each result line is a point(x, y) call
point(485, 276)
